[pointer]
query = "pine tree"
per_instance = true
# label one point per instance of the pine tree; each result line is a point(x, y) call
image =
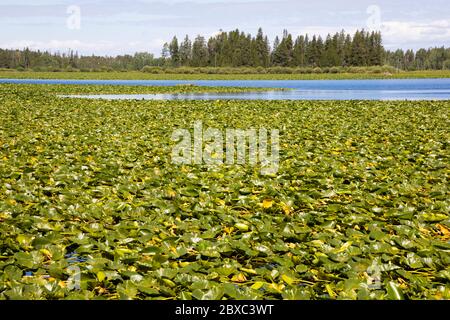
point(299, 51)
point(165, 53)
point(359, 52)
point(186, 52)
point(199, 52)
point(421, 57)
point(212, 51)
point(330, 56)
point(245, 44)
point(341, 47)
point(288, 50)
point(314, 52)
point(276, 44)
point(409, 60)
point(262, 50)
point(398, 59)
point(319, 49)
point(311, 51)
point(347, 51)
point(174, 52)
point(283, 53)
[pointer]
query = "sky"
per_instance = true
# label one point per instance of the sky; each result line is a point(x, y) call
point(111, 27)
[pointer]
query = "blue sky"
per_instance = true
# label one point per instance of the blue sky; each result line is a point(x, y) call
point(126, 26)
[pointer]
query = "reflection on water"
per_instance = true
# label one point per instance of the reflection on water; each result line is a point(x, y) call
point(286, 95)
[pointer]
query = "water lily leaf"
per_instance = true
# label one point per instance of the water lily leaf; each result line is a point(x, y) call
point(257, 285)
point(215, 293)
point(151, 251)
point(28, 260)
point(393, 291)
point(127, 290)
point(239, 278)
point(433, 217)
point(242, 227)
point(414, 261)
point(287, 279)
point(101, 276)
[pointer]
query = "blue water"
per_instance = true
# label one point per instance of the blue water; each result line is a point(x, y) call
point(398, 89)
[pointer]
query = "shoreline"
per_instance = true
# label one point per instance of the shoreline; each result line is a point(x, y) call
point(137, 75)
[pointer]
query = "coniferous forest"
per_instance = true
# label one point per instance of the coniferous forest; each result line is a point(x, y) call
point(239, 49)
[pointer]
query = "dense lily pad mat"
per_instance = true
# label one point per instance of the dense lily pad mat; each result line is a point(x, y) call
point(120, 89)
point(90, 184)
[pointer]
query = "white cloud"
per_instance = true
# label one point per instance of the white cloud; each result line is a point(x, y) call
point(28, 2)
point(97, 47)
point(130, 18)
point(399, 33)
point(320, 30)
point(54, 45)
point(117, 26)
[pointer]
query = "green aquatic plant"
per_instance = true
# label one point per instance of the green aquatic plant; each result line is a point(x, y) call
point(359, 208)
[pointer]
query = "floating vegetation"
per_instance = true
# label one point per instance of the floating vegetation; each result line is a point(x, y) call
point(359, 208)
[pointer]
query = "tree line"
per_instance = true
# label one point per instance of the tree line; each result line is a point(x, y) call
point(238, 49)
point(72, 61)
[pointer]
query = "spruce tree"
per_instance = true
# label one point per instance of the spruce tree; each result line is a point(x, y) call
point(299, 52)
point(262, 50)
point(186, 52)
point(276, 44)
point(199, 52)
point(165, 53)
point(174, 52)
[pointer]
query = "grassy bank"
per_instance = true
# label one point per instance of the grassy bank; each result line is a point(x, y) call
point(135, 75)
point(90, 184)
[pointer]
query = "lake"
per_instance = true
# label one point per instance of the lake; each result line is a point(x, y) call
point(395, 89)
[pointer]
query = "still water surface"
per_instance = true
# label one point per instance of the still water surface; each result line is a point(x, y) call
point(398, 89)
